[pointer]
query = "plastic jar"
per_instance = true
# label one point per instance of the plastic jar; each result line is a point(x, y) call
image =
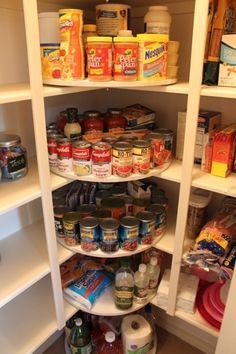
point(125, 59)
point(157, 20)
point(89, 30)
point(99, 58)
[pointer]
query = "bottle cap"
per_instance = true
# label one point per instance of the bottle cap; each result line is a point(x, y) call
point(142, 268)
point(110, 337)
point(78, 321)
point(153, 261)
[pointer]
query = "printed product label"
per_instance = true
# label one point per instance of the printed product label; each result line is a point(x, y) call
point(99, 61)
point(82, 350)
point(157, 27)
point(109, 235)
point(89, 234)
point(109, 22)
point(101, 170)
point(82, 167)
point(50, 60)
point(59, 226)
point(125, 61)
point(146, 232)
point(122, 162)
point(152, 61)
point(124, 296)
point(129, 238)
point(140, 293)
point(64, 164)
point(16, 164)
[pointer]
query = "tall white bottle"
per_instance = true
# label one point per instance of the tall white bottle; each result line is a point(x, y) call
point(141, 282)
point(153, 271)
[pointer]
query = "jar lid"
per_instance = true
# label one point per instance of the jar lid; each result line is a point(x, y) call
point(7, 140)
point(76, 11)
point(109, 224)
point(125, 39)
point(92, 114)
point(153, 37)
point(129, 221)
point(114, 111)
point(99, 39)
point(72, 216)
point(89, 27)
point(89, 222)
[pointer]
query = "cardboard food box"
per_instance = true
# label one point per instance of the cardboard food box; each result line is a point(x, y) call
point(138, 115)
point(227, 71)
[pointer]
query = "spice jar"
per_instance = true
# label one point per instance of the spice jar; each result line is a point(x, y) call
point(93, 122)
point(13, 160)
point(114, 120)
point(99, 58)
point(125, 58)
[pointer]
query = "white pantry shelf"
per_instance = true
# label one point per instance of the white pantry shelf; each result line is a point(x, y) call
point(14, 93)
point(29, 320)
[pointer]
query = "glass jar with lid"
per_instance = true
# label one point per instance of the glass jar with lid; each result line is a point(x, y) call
point(13, 158)
point(114, 120)
point(93, 122)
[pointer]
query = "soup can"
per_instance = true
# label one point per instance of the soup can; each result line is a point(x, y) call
point(101, 160)
point(89, 234)
point(52, 148)
point(109, 237)
point(129, 233)
point(141, 156)
point(59, 212)
point(160, 213)
point(81, 153)
point(71, 228)
point(64, 155)
point(122, 159)
point(86, 210)
point(146, 227)
point(115, 205)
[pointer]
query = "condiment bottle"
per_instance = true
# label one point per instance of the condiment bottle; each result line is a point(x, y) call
point(72, 129)
point(111, 344)
point(124, 286)
point(80, 338)
point(153, 270)
point(141, 282)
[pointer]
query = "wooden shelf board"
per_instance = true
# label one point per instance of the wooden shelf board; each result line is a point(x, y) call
point(14, 93)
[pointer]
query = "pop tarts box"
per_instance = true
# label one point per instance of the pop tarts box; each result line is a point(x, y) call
point(227, 71)
point(138, 115)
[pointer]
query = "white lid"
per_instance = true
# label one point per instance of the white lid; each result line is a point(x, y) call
point(153, 261)
point(158, 8)
point(78, 321)
point(142, 268)
point(125, 33)
point(199, 198)
point(110, 337)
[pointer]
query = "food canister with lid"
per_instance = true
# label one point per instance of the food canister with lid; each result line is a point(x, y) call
point(99, 58)
point(13, 159)
point(111, 18)
point(157, 20)
point(125, 59)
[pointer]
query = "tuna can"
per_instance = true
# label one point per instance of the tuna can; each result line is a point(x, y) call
point(71, 228)
point(86, 210)
point(109, 235)
point(64, 155)
point(115, 205)
point(146, 227)
point(160, 213)
point(140, 204)
point(101, 194)
point(59, 212)
point(101, 214)
point(81, 153)
point(111, 18)
point(101, 160)
point(128, 205)
point(129, 233)
point(89, 234)
point(141, 156)
point(122, 159)
point(52, 148)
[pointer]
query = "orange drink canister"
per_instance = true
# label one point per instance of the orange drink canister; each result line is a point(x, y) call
point(99, 58)
point(71, 46)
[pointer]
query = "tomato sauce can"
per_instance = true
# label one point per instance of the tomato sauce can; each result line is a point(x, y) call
point(109, 236)
point(129, 233)
point(89, 234)
point(146, 227)
point(71, 222)
point(160, 214)
point(59, 212)
point(81, 153)
point(101, 160)
point(141, 156)
point(52, 148)
point(64, 155)
point(122, 159)
point(115, 205)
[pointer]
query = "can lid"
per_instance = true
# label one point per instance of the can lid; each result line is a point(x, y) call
point(156, 209)
point(7, 140)
point(141, 143)
point(125, 39)
point(86, 208)
point(76, 11)
point(129, 221)
point(109, 224)
point(61, 209)
point(163, 131)
point(110, 337)
point(145, 216)
point(89, 27)
point(99, 39)
point(112, 202)
point(89, 222)
point(161, 38)
point(101, 214)
point(72, 216)
point(122, 145)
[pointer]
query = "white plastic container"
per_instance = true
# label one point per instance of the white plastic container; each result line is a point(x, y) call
point(49, 27)
point(141, 283)
point(157, 20)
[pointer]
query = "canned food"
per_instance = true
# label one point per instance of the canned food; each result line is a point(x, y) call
point(161, 200)
point(71, 228)
point(146, 227)
point(140, 204)
point(59, 212)
point(167, 136)
point(89, 234)
point(52, 148)
point(129, 233)
point(109, 235)
point(101, 160)
point(13, 159)
point(160, 214)
point(101, 214)
point(119, 190)
point(128, 205)
point(86, 210)
point(110, 140)
point(122, 159)
point(52, 126)
point(115, 205)
point(141, 156)
point(101, 194)
point(64, 155)
point(81, 153)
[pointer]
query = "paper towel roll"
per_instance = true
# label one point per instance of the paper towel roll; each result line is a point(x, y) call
point(136, 334)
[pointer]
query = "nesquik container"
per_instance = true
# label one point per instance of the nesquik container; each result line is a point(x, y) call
point(99, 58)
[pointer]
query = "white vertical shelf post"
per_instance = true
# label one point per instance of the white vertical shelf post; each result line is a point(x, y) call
point(195, 80)
point(34, 63)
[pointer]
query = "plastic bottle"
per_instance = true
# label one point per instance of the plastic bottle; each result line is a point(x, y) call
point(80, 338)
point(124, 286)
point(111, 345)
point(153, 271)
point(72, 129)
point(141, 282)
point(157, 20)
